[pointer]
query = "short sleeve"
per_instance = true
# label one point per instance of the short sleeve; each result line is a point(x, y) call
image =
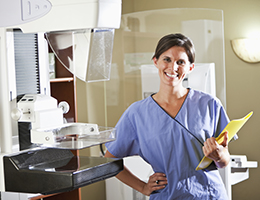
point(126, 143)
point(223, 120)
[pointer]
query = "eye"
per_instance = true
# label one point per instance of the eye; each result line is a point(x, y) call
point(181, 62)
point(167, 59)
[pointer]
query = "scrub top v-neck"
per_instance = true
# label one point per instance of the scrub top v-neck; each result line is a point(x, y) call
point(173, 145)
point(170, 113)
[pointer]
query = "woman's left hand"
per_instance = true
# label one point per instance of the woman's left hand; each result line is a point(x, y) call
point(217, 152)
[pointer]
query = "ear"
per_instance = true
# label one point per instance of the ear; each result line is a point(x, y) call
point(191, 68)
point(155, 62)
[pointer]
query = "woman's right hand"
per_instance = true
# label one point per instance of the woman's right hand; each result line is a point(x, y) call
point(156, 181)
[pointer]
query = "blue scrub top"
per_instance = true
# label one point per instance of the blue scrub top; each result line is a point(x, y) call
point(174, 145)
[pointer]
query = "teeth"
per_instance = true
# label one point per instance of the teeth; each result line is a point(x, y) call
point(171, 75)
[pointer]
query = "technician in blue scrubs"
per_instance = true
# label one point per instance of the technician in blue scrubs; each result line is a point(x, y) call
point(172, 130)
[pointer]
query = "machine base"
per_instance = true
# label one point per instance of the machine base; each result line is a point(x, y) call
point(49, 171)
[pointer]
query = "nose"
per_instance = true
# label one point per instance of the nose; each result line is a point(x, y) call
point(175, 66)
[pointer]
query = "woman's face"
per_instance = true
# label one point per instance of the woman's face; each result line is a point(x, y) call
point(173, 65)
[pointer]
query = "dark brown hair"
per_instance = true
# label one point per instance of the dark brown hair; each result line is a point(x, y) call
point(172, 40)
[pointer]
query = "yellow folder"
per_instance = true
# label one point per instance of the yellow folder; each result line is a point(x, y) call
point(233, 127)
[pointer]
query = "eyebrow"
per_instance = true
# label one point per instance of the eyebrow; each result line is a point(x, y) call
point(166, 57)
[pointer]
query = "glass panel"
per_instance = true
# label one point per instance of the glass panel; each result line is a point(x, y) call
point(100, 57)
point(78, 136)
point(134, 46)
point(85, 53)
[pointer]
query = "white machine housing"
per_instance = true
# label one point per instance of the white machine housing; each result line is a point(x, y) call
point(42, 111)
point(48, 127)
point(33, 16)
point(30, 106)
point(236, 171)
point(206, 81)
point(44, 16)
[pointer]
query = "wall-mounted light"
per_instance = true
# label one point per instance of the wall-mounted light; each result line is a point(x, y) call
point(247, 49)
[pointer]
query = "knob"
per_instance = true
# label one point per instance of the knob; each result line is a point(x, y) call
point(64, 106)
point(16, 114)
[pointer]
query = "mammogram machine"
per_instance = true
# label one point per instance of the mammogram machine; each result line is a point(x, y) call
point(80, 33)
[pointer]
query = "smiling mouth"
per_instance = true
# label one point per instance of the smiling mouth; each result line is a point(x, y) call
point(171, 75)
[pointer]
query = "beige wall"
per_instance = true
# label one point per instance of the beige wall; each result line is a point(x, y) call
point(241, 19)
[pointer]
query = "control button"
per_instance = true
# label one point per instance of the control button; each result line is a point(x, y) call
point(34, 9)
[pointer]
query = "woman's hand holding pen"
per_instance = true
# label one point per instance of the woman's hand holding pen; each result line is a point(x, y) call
point(156, 181)
point(217, 152)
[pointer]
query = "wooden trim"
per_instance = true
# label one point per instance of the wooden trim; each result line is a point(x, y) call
point(59, 80)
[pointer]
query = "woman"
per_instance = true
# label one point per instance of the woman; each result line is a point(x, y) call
point(172, 130)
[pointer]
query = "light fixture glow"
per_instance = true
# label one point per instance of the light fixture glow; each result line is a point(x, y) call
point(247, 49)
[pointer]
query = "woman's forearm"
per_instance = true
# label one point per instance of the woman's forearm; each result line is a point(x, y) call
point(131, 180)
point(127, 177)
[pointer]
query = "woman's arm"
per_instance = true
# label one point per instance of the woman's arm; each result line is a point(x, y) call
point(156, 181)
point(217, 152)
